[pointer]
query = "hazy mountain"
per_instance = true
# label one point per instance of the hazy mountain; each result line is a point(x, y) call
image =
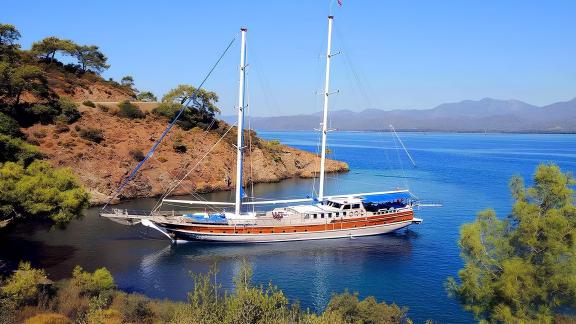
point(488, 114)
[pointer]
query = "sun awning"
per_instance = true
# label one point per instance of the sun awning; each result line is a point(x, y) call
point(388, 197)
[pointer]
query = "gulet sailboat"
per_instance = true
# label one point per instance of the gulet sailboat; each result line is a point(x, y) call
point(321, 217)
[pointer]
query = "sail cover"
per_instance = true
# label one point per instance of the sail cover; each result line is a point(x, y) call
point(388, 197)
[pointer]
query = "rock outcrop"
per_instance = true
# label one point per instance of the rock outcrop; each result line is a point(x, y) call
point(102, 166)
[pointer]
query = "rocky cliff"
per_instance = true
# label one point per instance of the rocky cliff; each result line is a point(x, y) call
point(102, 166)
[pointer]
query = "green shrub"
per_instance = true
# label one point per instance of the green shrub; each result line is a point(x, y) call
point(44, 114)
point(128, 110)
point(167, 110)
point(89, 103)
point(24, 286)
point(137, 154)
point(134, 308)
point(92, 284)
point(9, 126)
point(91, 134)
point(48, 318)
point(40, 190)
point(16, 150)
point(69, 110)
point(146, 96)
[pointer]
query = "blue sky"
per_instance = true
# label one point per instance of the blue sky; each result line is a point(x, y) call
point(396, 54)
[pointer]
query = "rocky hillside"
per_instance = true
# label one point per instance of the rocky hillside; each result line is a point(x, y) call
point(80, 87)
point(101, 166)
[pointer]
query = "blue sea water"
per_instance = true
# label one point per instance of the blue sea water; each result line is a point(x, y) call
point(466, 173)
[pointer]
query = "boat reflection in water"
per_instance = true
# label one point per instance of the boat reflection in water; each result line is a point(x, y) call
point(311, 270)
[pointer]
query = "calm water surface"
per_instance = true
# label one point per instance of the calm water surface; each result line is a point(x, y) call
point(465, 172)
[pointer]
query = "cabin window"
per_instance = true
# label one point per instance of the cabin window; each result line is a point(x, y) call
point(321, 215)
point(337, 214)
point(356, 206)
point(306, 216)
point(346, 206)
point(314, 216)
point(343, 213)
point(329, 215)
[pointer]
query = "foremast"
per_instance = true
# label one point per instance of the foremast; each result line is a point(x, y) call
point(239, 140)
point(324, 125)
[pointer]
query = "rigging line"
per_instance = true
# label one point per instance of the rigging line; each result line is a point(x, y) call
point(362, 87)
point(167, 130)
point(400, 162)
point(250, 148)
point(402, 143)
point(192, 169)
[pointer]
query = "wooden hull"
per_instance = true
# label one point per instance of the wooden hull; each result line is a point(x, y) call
point(374, 225)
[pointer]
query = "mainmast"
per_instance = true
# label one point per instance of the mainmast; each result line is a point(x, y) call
point(239, 142)
point(325, 118)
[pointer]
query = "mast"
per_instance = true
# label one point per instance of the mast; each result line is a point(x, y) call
point(325, 118)
point(239, 141)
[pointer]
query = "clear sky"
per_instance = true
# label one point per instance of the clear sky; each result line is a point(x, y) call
point(396, 54)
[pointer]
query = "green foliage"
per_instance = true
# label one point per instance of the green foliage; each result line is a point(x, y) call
point(89, 103)
point(69, 110)
point(49, 46)
point(146, 96)
point(91, 134)
point(100, 282)
point(201, 109)
point(134, 308)
point(8, 34)
point(523, 268)
point(16, 150)
point(48, 318)
point(15, 79)
point(347, 308)
point(23, 287)
point(9, 126)
point(43, 113)
point(91, 58)
point(127, 81)
point(40, 191)
point(93, 298)
point(128, 110)
point(63, 110)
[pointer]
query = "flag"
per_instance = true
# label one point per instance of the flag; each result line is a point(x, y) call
point(340, 3)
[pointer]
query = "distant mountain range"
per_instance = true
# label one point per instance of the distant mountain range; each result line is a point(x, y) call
point(486, 115)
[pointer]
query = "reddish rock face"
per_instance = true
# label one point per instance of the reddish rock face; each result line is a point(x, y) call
point(101, 167)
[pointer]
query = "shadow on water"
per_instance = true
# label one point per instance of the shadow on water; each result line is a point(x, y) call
point(293, 266)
